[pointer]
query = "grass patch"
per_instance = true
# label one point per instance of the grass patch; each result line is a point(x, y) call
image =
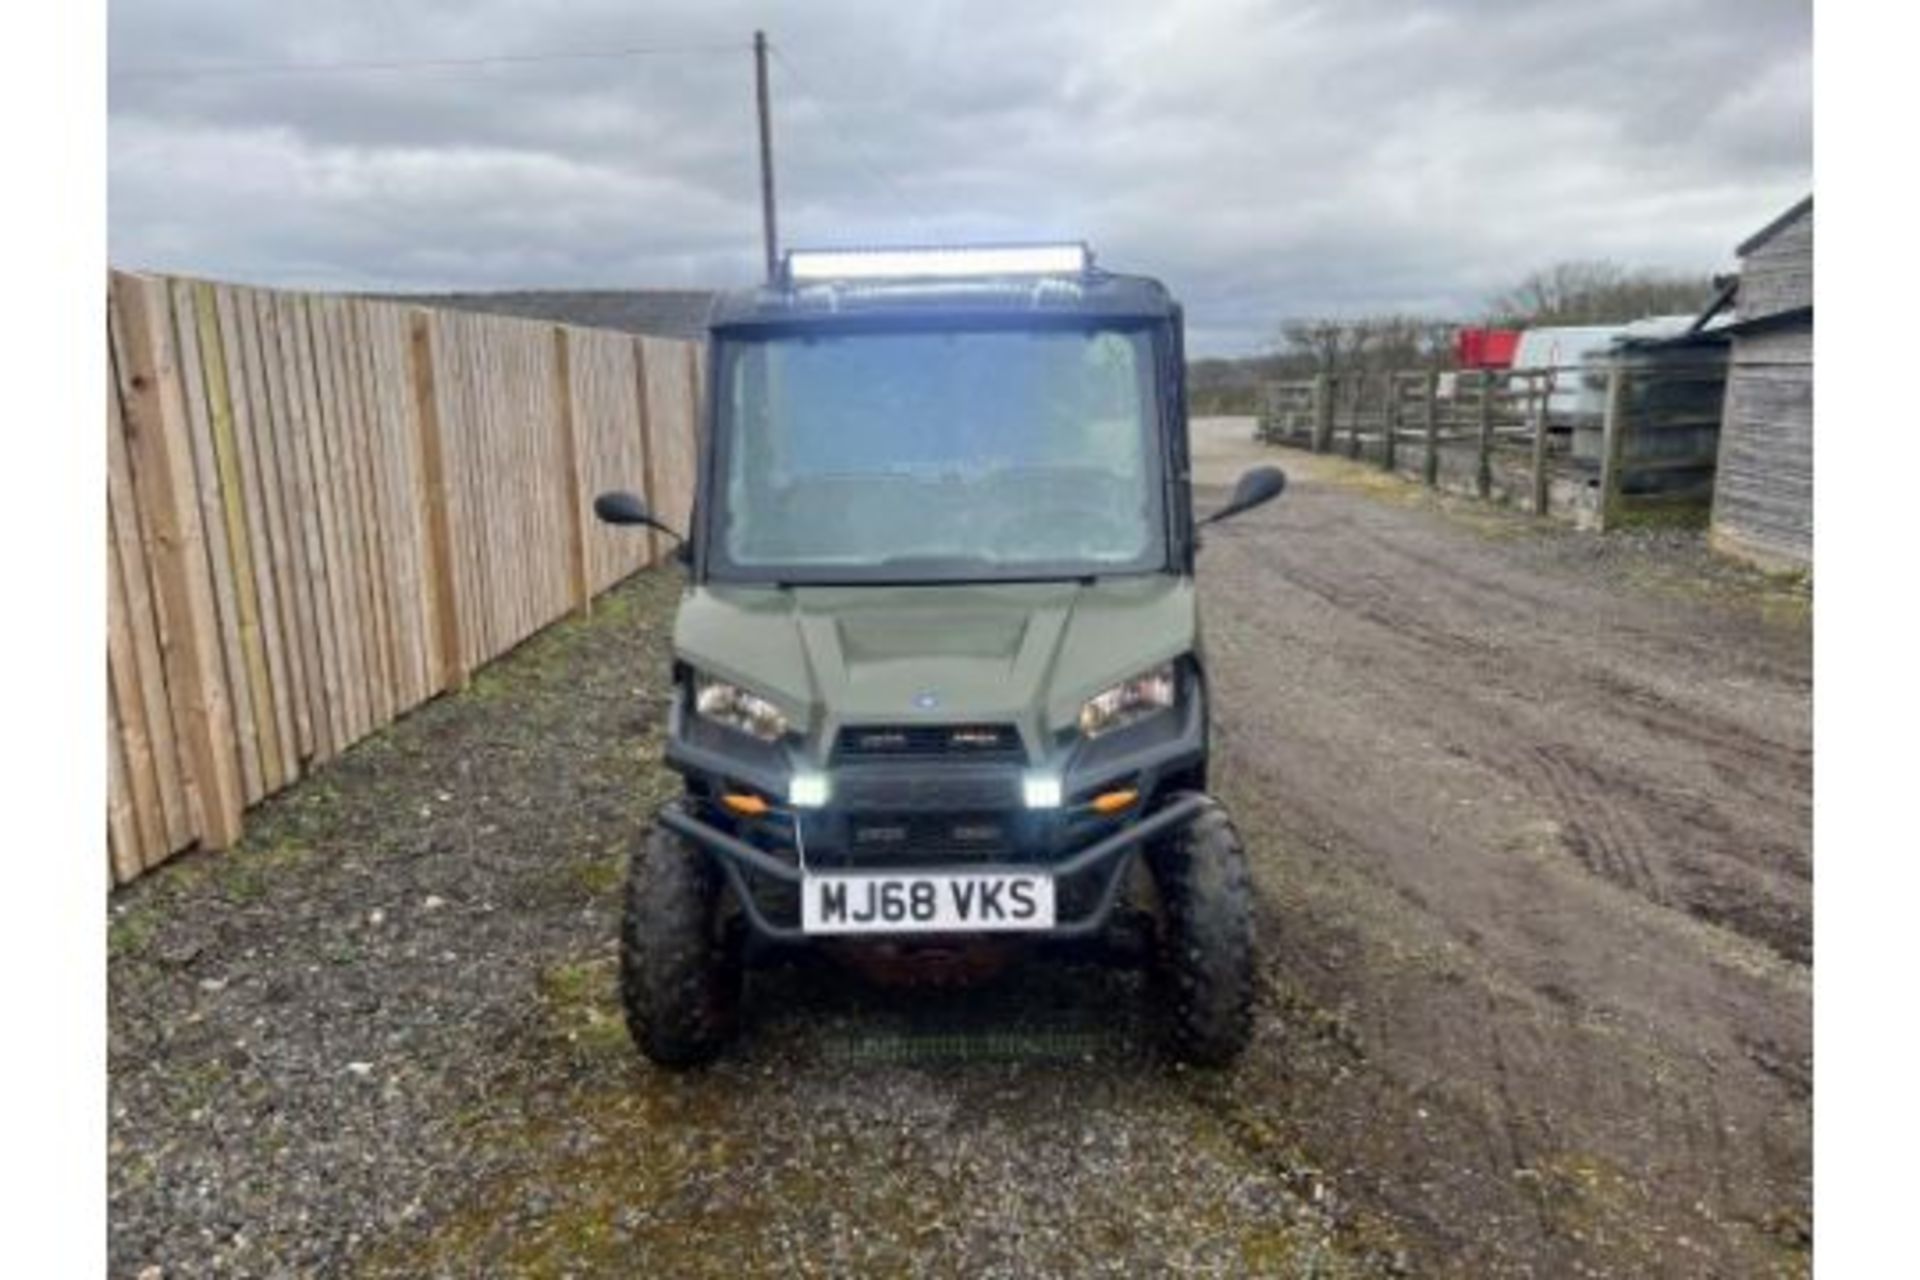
point(599, 877)
point(582, 1008)
point(132, 933)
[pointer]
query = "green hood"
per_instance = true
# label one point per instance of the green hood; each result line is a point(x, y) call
point(1028, 653)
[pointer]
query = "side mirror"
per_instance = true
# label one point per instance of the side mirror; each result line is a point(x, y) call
point(619, 507)
point(1261, 484)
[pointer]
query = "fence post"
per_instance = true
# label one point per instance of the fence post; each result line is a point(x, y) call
point(1353, 422)
point(1542, 408)
point(442, 571)
point(575, 509)
point(1613, 442)
point(1431, 423)
point(1389, 445)
point(163, 472)
point(1323, 391)
point(1483, 469)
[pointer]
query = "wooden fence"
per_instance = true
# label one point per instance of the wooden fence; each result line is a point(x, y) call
point(323, 510)
point(1650, 448)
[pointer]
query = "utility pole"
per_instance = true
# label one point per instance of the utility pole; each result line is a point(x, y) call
point(766, 156)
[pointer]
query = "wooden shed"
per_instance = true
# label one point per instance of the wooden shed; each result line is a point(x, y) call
point(1763, 488)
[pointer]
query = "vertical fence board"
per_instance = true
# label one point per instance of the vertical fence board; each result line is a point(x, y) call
point(162, 464)
point(271, 701)
point(344, 441)
point(346, 444)
point(397, 514)
point(125, 854)
point(266, 395)
point(328, 445)
point(524, 522)
point(612, 448)
point(449, 665)
point(329, 701)
point(670, 432)
point(140, 615)
point(145, 830)
point(461, 436)
point(242, 729)
point(572, 495)
point(649, 455)
point(312, 589)
point(238, 506)
point(376, 543)
point(362, 537)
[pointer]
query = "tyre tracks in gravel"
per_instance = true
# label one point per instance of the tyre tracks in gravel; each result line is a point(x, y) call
point(1536, 834)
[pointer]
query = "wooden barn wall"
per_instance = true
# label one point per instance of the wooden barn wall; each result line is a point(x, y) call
point(1777, 275)
point(1763, 492)
point(323, 511)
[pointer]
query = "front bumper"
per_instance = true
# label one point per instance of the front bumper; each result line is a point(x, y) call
point(1104, 864)
point(938, 815)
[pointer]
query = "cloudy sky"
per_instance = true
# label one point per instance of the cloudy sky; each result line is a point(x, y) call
point(1268, 158)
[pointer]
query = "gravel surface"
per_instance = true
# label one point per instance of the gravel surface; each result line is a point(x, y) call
point(1528, 812)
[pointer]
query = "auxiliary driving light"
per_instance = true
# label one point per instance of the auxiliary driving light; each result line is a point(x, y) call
point(808, 790)
point(946, 263)
point(1041, 790)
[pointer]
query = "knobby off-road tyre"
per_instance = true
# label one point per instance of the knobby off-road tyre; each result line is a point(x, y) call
point(680, 977)
point(1205, 939)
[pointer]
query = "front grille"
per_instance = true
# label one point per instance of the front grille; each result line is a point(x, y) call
point(880, 789)
point(917, 836)
point(921, 741)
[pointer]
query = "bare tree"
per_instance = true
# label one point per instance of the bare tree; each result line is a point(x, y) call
point(1598, 292)
point(1365, 344)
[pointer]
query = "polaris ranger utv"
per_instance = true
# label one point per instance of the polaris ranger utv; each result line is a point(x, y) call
point(939, 679)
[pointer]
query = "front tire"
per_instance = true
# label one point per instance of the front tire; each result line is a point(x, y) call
point(680, 973)
point(1205, 951)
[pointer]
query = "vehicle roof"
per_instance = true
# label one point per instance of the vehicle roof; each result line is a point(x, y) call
point(1092, 295)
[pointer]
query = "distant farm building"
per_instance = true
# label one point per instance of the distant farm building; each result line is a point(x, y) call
point(1479, 348)
point(1763, 493)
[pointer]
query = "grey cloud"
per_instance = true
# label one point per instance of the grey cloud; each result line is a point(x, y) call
point(1267, 159)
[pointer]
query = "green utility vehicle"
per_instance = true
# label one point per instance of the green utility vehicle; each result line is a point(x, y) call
point(940, 689)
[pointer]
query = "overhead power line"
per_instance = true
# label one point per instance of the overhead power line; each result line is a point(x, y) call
point(416, 64)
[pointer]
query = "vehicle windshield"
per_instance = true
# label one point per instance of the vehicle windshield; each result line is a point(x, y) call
point(937, 455)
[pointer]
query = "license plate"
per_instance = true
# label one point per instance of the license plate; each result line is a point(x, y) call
point(927, 902)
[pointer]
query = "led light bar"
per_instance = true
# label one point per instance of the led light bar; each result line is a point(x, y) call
point(956, 262)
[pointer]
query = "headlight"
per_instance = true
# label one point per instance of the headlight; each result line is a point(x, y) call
point(1128, 701)
point(734, 707)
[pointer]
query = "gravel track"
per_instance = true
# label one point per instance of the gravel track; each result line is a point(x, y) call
point(1528, 813)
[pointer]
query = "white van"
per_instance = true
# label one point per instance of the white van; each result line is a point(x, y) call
point(1564, 348)
point(1576, 354)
